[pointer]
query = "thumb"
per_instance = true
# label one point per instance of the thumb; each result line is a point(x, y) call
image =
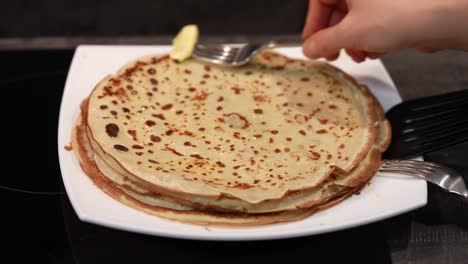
point(327, 42)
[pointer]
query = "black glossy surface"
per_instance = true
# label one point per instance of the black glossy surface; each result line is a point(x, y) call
point(427, 124)
point(149, 17)
point(43, 228)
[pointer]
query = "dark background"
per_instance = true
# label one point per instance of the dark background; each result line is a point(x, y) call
point(52, 18)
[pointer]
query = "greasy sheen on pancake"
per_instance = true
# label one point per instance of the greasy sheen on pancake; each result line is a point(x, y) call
point(275, 140)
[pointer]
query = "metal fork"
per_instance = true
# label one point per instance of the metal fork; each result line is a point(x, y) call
point(446, 178)
point(236, 54)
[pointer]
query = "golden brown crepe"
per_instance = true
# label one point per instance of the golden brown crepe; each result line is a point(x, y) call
point(275, 140)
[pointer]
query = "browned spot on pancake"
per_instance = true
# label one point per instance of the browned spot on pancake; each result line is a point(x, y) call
point(169, 132)
point(220, 164)
point(136, 67)
point(305, 79)
point(114, 82)
point(103, 107)
point(323, 121)
point(200, 97)
point(188, 133)
point(112, 130)
point(302, 132)
point(242, 186)
point(154, 81)
point(187, 71)
point(178, 112)
point(206, 76)
point(133, 134)
point(150, 123)
point(341, 146)
point(332, 106)
point(151, 71)
point(257, 136)
point(277, 150)
point(137, 147)
point(277, 68)
point(219, 108)
point(258, 111)
point(274, 132)
point(166, 148)
point(167, 107)
point(113, 112)
point(315, 154)
point(197, 156)
point(237, 121)
point(261, 98)
point(309, 94)
point(120, 147)
point(160, 116)
point(207, 68)
point(220, 99)
point(321, 131)
point(125, 110)
point(155, 139)
point(237, 90)
point(288, 138)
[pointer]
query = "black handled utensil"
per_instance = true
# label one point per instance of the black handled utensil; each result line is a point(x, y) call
point(427, 124)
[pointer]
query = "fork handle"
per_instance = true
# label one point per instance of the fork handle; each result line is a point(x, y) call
point(292, 41)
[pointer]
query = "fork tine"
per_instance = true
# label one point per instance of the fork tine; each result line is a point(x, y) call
point(420, 169)
point(413, 163)
point(409, 166)
point(420, 172)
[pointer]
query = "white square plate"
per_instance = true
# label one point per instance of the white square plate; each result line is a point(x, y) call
point(383, 198)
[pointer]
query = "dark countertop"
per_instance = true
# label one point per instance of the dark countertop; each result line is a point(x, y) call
point(437, 233)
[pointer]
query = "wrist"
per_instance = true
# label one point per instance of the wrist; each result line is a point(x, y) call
point(444, 25)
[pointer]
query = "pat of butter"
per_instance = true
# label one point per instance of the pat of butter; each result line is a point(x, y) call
point(184, 43)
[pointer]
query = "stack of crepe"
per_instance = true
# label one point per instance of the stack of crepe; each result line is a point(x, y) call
point(273, 141)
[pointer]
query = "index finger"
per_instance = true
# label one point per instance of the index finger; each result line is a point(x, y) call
point(318, 15)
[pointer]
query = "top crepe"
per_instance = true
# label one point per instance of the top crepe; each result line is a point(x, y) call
point(251, 133)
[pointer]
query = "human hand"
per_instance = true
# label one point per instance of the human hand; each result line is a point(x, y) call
point(370, 28)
